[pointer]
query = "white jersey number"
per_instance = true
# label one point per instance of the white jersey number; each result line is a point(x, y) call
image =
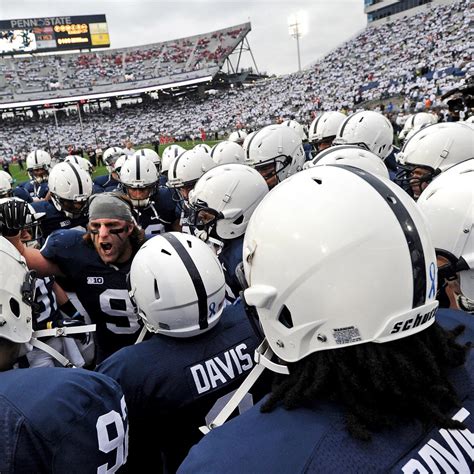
point(119, 444)
point(127, 311)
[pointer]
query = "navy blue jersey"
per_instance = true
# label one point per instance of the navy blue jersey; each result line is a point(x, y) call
point(55, 420)
point(107, 183)
point(101, 289)
point(47, 303)
point(96, 189)
point(230, 257)
point(56, 220)
point(314, 439)
point(22, 193)
point(172, 384)
point(35, 190)
point(162, 180)
point(308, 150)
point(391, 163)
point(160, 213)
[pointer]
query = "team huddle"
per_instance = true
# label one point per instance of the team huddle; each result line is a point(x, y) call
point(290, 300)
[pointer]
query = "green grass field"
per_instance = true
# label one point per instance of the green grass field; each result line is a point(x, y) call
point(20, 176)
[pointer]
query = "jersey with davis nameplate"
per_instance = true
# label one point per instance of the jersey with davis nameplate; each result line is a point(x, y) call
point(101, 289)
point(56, 220)
point(314, 439)
point(175, 385)
point(55, 420)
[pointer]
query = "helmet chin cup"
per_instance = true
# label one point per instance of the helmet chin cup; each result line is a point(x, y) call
point(201, 234)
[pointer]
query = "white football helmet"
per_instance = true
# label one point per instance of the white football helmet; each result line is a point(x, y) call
point(368, 129)
point(448, 204)
point(169, 154)
point(70, 187)
point(120, 162)
point(237, 136)
point(275, 145)
point(407, 127)
point(325, 127)
point(186, 301)
point(111, 155)
point(297, 127)
point(351, 155)
point(224, 198)
point(7, 176)
point(247, 140)
point(17, 293)
point(86, 165)
point(434, 148)
point(203, 146)
point(188, 168)
point(38, 160)
point(151, 155)
point(227, 152)
point(303, 266)
point(5, 185)
point(420, 120)
point(139, 177)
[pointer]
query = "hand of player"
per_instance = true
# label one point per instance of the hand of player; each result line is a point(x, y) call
point(75, 321)
point(14, 215)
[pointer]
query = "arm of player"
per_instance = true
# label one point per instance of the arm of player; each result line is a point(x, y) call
point(34, 258)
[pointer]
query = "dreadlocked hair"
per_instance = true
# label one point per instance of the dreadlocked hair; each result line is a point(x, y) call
point(376, 383)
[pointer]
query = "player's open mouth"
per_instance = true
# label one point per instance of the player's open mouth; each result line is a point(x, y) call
point(106, 247)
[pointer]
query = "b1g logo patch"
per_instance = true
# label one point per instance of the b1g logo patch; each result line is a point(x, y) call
point(95, 281)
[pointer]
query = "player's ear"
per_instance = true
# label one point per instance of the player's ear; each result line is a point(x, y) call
point(130, 229)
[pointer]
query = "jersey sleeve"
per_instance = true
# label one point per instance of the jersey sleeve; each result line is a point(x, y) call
point(66, 249)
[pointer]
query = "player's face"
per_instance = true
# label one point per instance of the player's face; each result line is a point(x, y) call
point(185, 190)
point(40, 174)
point(416, 185)
point(323, 145)
point(269, 175)
point(111, 239)
point(139, 193)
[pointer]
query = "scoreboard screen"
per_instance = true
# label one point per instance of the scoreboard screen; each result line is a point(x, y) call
point(58, 33)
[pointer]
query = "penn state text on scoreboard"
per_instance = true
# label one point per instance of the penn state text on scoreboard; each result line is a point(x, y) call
point(57, 33)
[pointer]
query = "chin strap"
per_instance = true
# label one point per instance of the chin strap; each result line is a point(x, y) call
point(58, 332)
point(142, 334)
point(263, 354)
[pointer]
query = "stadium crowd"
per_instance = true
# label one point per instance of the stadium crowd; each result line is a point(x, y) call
point(293, 299)
point(128, 67)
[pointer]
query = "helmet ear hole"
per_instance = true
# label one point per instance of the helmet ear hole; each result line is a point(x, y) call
point(157, 291)
point(15, 307)
point(285, 317)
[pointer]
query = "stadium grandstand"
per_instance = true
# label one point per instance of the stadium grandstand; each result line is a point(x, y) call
point(406, 65)
point(54, 78)
point(379, 11)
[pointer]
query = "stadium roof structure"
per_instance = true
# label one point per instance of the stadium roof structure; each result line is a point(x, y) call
point(175, 65)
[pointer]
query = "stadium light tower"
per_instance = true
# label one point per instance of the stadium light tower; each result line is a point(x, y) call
point(298, 27)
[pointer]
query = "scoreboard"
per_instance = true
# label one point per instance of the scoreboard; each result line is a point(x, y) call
point(59, 33)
